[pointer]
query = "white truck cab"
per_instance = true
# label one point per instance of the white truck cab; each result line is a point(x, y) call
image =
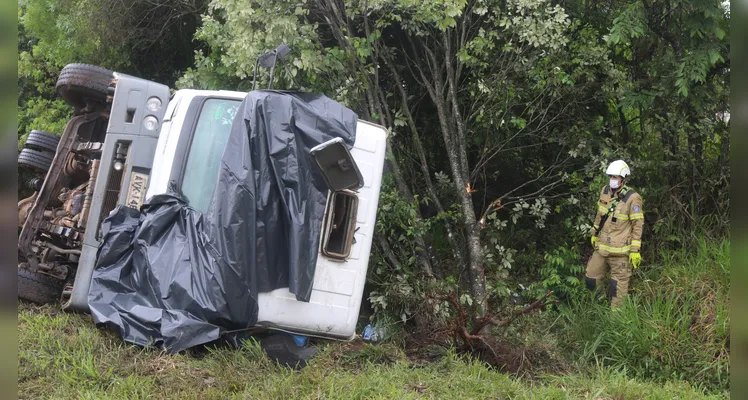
point(151, 142)
point(196, 126)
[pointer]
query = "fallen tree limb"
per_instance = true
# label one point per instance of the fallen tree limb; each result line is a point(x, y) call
point(473, 338)
point(482, 322)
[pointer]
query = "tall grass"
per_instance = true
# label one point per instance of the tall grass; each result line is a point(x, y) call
point(674, 325)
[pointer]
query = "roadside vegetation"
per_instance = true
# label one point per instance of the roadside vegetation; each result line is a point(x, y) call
point(670, 341)
point(502, 116)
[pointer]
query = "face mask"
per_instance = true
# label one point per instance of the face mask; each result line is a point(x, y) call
point(614, 183)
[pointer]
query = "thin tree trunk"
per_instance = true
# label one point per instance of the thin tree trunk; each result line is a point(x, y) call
point(375, 107)
point(459, 176)
point(423, 257)
point(724, 156)
point(624, 127)
point(387, 250)
point(477, 279)
point(477, 273)
point(456, 249)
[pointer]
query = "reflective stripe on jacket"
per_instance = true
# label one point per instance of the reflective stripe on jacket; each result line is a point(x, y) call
point(622, 232)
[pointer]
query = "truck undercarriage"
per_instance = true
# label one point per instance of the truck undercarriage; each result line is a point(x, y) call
point(54, 220)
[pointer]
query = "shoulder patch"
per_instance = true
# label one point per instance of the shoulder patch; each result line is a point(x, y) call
point(637, 208)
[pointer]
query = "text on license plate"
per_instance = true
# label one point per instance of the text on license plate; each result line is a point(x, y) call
point(136, 191)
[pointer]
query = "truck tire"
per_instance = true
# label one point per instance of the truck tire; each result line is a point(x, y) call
point(38, 288)
point(42, 141)
point(35, 160)
point(80, 82)
point(282, 349)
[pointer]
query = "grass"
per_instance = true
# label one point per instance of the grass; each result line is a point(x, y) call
point(675, 326)
point(64, 356)
point(669, 340)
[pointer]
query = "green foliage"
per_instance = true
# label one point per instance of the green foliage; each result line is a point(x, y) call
point(136, 37)
point(674, 326)
point(561, 273)
point(38, 108)
point(397, 222)
point(522, 64)
point(629, 25)
point(537, 23)
point(234, 46)
point(66, 33)
point(396, 290)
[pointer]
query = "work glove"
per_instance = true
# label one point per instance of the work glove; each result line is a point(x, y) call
point(593, 240)
point(635, 259)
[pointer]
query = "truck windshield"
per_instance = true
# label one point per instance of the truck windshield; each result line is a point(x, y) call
point(204, 158)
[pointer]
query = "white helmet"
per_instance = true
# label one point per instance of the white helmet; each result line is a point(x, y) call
point(618, 168)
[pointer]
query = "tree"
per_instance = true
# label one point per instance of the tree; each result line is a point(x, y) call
point(374, 55)
point(678, 55)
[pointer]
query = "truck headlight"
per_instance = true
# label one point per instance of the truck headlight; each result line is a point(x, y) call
point(150, 123)
point(153, 104)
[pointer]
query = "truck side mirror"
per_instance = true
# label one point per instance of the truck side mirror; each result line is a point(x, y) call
point(342, 176)
point(268, 60)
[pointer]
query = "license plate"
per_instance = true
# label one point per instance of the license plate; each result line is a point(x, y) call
point(136, 191)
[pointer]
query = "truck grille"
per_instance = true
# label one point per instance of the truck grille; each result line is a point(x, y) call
point(111, 195)
point(113, 184)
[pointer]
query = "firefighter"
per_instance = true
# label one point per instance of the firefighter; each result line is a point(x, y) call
point(616, 234)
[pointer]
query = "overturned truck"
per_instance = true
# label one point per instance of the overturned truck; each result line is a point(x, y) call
point(181, 218)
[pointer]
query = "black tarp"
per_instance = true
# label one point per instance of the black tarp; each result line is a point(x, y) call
point(172, 277)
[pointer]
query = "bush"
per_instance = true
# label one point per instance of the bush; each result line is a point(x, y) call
point(561, 273)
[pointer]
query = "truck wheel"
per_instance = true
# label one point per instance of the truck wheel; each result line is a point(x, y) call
point(282, 349)
point(35, 160)
point(80, 82)
point(38, 288)
point(42, 141)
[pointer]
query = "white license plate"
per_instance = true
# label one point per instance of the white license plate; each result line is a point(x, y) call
point(136, 191)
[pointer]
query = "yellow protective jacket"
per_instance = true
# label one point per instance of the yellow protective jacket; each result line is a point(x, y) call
point(622, 232)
